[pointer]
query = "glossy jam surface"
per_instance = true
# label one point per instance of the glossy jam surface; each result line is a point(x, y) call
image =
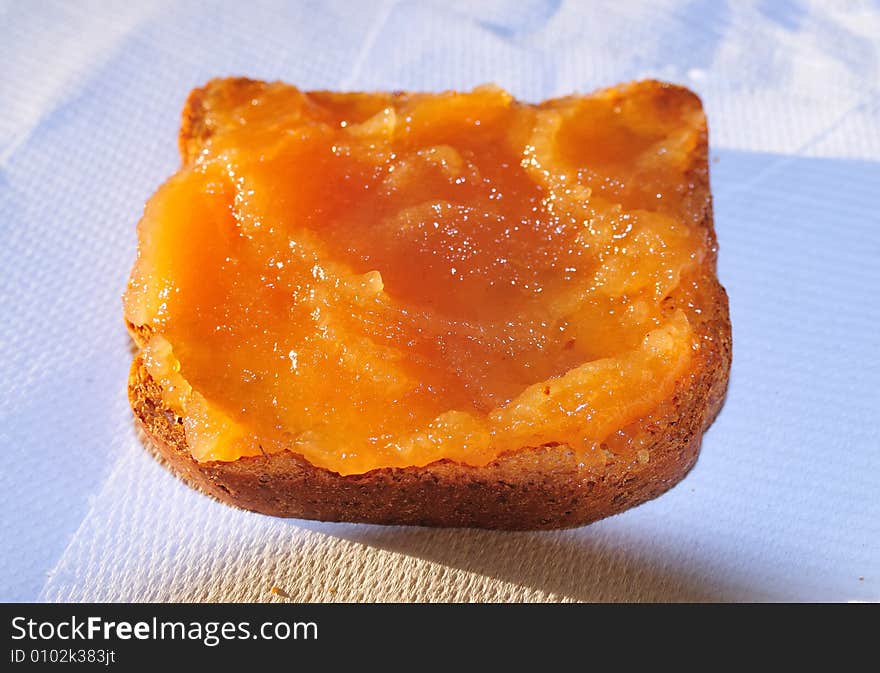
point(377, 280)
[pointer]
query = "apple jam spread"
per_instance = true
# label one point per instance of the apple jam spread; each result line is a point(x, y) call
point(388, 280)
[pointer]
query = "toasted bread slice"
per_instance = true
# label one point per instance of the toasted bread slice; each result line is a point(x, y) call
point(548, 485)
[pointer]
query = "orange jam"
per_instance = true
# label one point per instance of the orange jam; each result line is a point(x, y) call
point(387, 280)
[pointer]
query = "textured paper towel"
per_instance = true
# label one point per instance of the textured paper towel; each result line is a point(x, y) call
point(783, 503)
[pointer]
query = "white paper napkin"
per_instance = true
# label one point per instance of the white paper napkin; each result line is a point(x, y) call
point(783, 503)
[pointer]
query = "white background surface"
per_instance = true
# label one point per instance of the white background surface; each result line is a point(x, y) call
point(784, 503)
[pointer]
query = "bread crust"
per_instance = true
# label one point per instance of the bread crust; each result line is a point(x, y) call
point(532, 488)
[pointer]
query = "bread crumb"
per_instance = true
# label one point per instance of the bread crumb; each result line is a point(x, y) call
point(331, 590)
point(280, 592)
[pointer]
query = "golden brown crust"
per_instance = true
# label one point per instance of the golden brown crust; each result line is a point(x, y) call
point(193, 126)
point(532, 488)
